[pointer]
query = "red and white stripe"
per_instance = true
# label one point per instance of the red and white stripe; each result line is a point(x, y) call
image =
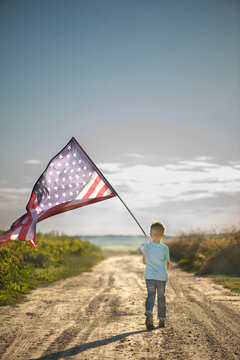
point(95, 188)
point(22, 229)
point(32, 205)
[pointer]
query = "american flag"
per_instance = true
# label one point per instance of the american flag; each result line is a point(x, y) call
point(70, 180)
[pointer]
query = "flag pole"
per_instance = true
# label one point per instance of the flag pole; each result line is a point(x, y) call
point(132, 215)
point(109, 185)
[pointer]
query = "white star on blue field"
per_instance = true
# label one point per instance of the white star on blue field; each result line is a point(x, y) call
point(149, 88)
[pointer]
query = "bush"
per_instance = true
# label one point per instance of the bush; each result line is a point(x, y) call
point(55, 256)
point(208, 253)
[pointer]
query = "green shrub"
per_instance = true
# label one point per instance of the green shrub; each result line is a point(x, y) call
point(55, 256)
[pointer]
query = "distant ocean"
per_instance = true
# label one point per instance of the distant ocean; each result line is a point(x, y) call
point(118, 242)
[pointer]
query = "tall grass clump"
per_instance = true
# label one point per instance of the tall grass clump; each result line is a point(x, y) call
point(214, 253)
point(55, 257)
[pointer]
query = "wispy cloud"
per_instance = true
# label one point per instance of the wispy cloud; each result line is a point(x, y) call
point(12, 197)
point(110, 167)
point(137, 156)
point(235, 163)
point(181, 181)
point(198, 163)
point(33, 161)
point(4, 191)
point(204, 158)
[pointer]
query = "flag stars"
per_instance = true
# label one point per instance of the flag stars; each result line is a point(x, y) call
point(66, 176)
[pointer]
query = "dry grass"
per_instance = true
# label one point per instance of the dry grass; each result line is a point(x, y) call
point(215, 253)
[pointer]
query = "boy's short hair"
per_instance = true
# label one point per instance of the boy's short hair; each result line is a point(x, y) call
point(158, 227)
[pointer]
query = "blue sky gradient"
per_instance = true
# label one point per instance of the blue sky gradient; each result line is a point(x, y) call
point(149, 83)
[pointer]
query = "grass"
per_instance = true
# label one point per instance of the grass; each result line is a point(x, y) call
point(229, 282)
point(215, 254)
point(55, 257)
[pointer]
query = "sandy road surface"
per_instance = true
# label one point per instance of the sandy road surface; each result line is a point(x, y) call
point(99, 315)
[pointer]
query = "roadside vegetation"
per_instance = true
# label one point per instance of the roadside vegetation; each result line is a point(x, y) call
point(55, 257)
point(216, 255)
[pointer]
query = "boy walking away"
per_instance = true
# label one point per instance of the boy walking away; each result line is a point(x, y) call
point(156, 258)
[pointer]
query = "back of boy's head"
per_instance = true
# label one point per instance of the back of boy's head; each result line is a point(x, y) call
point(157, 227)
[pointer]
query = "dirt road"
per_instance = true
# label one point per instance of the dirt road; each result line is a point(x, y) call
point(99, 315)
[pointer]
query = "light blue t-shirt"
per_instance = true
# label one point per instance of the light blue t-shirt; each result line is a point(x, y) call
point(155, 257)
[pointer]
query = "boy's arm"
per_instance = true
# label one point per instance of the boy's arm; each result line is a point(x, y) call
point(167, 259)
point(143, 259)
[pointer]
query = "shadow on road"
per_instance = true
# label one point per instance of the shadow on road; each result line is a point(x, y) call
point(94, 344)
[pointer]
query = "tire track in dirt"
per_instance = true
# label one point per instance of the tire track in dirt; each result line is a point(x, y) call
point(83, 323)
point(100, 315)
point(213, 338)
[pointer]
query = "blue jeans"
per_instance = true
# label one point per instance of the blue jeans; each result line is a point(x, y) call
point(152, 286)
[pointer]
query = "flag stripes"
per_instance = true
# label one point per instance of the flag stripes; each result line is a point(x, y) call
point(91, 190)
point(70, 180)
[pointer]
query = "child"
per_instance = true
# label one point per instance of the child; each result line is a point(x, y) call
point(156, 258)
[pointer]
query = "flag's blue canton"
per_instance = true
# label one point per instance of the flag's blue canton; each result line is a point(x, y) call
point(63, 179)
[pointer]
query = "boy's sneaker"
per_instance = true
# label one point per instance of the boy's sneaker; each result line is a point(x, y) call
point(161, 323)
point(149, 322)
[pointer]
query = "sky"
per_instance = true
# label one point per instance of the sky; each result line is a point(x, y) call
point(149, 88)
